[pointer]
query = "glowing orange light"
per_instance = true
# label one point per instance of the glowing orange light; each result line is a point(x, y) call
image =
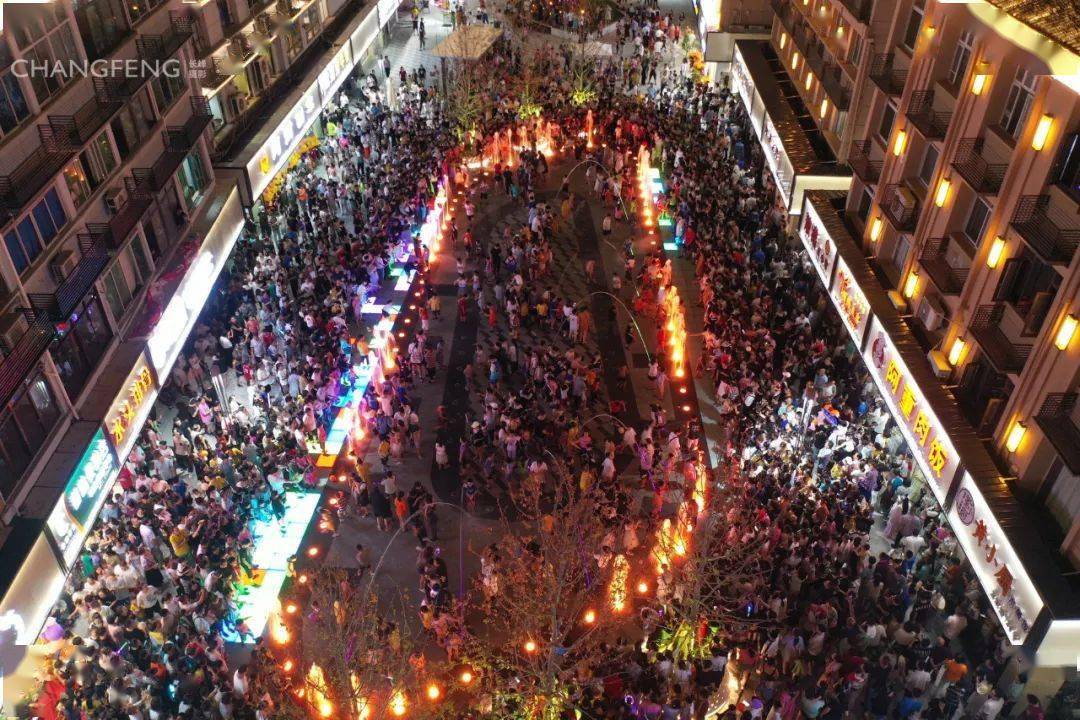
point(288, 666)
point(466, 677)
point(590, 617)
point(291, 608)
point(313, 551)
point(433, 692)
point(530, 646)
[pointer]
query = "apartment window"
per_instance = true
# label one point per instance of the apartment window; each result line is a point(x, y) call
point(865, 202)
point(976, 222)
point(855, 52)
point(103, 26)
point(1029, 285)
point(45, 36)
point(192, 178)
point(117, 292)
point(75, 179)
point(911, 32)
point(137, 263)
point(961, 58)
point(888, 117)
point(24, 426)
point(138, 9)
point(167, 90)
point(294, 43)
point(1018, 104)
point(78, 352)
point(98, 160)
point(1066, 174)
point(929, 163)
point(13, 108)
point(133, 124)
point(900, 252)
point(30, 235)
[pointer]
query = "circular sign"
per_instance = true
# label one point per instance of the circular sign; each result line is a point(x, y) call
point(965, 506)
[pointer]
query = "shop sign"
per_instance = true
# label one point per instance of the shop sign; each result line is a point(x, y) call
point(777, 160)
point(1016, 601)
point(86, 491)
point(850, 301)
point(365, 34)
point(130, 408)
point(334, 73)
point(819, 245)
point(387, 10)
point(931, 446)
point(742, 81)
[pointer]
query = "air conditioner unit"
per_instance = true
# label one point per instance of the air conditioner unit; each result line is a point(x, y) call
point(64, 264)
point(939, 364)
point(931, 313)
point(12, 327)
point(115, 199)
point(238, 103)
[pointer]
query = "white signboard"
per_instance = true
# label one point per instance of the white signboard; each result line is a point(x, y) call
point(819, 245)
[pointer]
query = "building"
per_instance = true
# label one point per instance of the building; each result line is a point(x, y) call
point(952, 258)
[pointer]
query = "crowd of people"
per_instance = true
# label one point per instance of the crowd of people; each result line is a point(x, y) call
point(863, 605)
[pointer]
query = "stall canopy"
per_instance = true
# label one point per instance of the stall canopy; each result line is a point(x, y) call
point(468, 42)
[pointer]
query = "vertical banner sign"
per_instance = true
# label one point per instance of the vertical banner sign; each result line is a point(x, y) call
point(86, 491)
point(130, 408)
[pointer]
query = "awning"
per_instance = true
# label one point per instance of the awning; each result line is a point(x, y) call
point(468, 42)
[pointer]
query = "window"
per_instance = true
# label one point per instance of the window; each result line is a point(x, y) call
point(888, 117)
point(1018, 104)
point(138, 9)
point(117, 293)
point(1028, 284)
point(103, 26)
point(78, 352)
point(46, 38)
point(13, 109)
point(900, 252)
point(75, 179)
point(961, 58)
point(30, 235)
point(976, 222)
point(167, 90)
point(911, 33)
point(929, 163)
point(137, 263)
point(98, 160)
point(192, 178)
point(1066, 174)
point(24, 427)
point(856, 48)
point(133, 124)
point(865, 202)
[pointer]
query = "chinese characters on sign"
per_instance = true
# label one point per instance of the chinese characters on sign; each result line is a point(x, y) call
point(850, 301)
point(70, 520)
point(819, 246)
point(125, 417)
point(921, 428)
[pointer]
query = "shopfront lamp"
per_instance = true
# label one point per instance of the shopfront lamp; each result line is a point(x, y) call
point(1066, 332)
point(997, 251)
point(1016, 436)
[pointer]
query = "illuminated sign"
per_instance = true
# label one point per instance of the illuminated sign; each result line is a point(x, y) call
point(128, 412)
point(387, 10)
point(819, 246)
point(777, 160)
point(86, 491)
point(850, 301)
point(1011, 592)
point(926, 437)
point(743, 83)
point(331, 77)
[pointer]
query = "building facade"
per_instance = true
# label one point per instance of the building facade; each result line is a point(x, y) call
point(951, 256)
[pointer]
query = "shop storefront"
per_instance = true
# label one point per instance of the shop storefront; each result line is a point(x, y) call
point(1023, 586)
point(797, 158)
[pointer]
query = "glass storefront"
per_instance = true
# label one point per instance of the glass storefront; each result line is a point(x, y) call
point(77, 352)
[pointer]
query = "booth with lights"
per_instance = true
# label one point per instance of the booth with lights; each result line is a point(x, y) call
point(1027, 591)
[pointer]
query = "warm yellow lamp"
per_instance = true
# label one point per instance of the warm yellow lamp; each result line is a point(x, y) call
point(1042, 132)
point(809, 80)
point(875, 229)
point(911, 284)
point(795, 60)
point(1066, 332)
point(783, 40)
point(899, 143)
point(981, 78)
point(997, 251)
point(1016, 436)
point(956, 352)
point(942, 193)
point(824, 107)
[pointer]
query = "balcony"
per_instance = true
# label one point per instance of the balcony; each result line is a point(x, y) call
point(179, 140)
point(1044, 230)
point(885, 74)
point(31, 175)
point(984, 177)
point(946, 263)
point(981, 395)
point(831, 80)
point(867, 170)
point(162, 47)
point(985, 327)
point(18, 363)
point(861, 9)
point(931, 123)
point(1055, 419)
point(212, 76)
point(140, 194)
point(900, 207)
point(59, 304)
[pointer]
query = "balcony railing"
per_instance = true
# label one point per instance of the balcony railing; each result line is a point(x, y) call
point(934, 258)
point(140, 194)
point(38, 168)
point(163, 46)
point(1055, 420)
point(59, 304)
point(831, 75)
point(861, 9)
point(900, 207)
point(18, 363)
point(869, 171)
point(886, 75)
point(983, 177)
point(212, 76)
point(931, 123)
point(1046, 236)
point(985, 327)
point(982, 393)
point(179, 140)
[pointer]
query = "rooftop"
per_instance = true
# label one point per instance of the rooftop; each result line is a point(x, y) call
point(1058, 20)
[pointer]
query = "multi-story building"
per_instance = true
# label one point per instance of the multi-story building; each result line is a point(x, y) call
point(952, 257)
